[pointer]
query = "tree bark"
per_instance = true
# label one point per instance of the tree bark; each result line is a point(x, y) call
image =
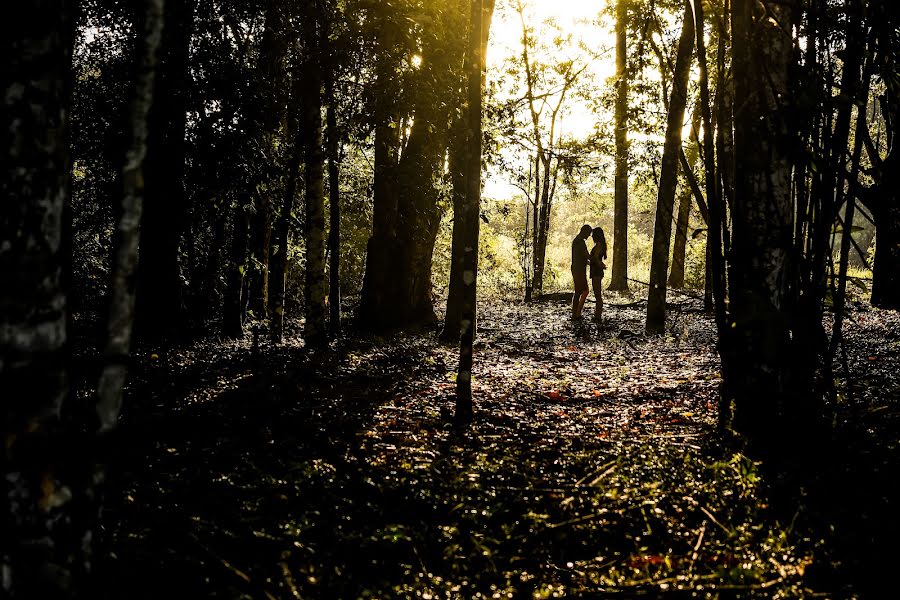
point(619, 275)
point(334, 206)
point(886, 267)
point(315, 331)
point(679, 251)
point(233, 301)
point(759, 357)
point(457, 164)
point(111, 385)
point(41, 551)
point(668, 180)
point(464, 404)
point(379, 292)
point(280, 240)
point(270, 74)
point(160, 310)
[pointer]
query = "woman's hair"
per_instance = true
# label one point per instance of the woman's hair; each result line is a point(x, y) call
point(600, 240)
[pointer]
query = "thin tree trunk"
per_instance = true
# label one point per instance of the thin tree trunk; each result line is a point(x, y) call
point(334, 223)
point(464, 404)
point(281, 239)
point(111, 385)
point(668, 180)
point(233, 302)
point(679, 251)
point(315, 331)
point(619, 275)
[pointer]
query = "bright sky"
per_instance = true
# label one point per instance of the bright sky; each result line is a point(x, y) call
point(581, 18)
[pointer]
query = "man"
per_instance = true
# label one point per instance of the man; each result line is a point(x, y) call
point(580, 258)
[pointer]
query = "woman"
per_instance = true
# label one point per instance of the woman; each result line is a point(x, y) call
point(597, 256)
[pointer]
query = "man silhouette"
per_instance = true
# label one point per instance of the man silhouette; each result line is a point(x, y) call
point(580, 258)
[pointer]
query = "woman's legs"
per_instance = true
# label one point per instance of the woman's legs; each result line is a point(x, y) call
point(597, 282)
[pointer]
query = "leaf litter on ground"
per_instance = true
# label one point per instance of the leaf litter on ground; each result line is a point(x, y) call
point(592, 466)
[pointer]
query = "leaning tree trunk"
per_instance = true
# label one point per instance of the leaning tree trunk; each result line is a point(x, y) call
point(111, 385)
point(41, 551)
point(160, 308)
point(619, 275)
point(759, 356)
point(668, 180)
point(315, 331)
point(679, 250)
point(464, 405)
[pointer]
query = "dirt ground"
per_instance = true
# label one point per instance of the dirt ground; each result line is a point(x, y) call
point(592, 467)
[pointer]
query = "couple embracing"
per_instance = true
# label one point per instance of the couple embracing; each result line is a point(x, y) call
point(581, 259)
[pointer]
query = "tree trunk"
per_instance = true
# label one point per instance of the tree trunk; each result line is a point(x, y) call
point(111, 385)
point(455, 289)
point(619, 276)
point(668, 180)
point(379, 295)
point(160, 308)
point(270, 75)
point(281, 238)
point(679, 251)
point(233, 302)
point(886, 268)
point(41, 551)
point(260, 241)
point(759, 357)
point(464, 404)
point(457, 164)
point(315, 331)
point(334, 206)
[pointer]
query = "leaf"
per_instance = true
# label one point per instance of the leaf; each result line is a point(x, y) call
point(697, 233)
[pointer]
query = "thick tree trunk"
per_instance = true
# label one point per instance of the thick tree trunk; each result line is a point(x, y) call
point(464, 404)
point(315, 331)
point(379, 295)
point(668, 180)
point(886, 268)
point(160, 305)
point(759, 357)
point(41, 544)
point(619, 275)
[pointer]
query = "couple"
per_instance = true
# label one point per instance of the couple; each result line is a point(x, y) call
point(581, 258)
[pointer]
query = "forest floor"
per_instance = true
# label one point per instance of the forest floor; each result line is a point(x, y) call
point(593, 467)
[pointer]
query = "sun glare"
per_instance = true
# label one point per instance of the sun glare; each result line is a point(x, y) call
point(592, 44)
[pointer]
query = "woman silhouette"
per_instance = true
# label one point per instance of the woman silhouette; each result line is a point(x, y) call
point(598, 255)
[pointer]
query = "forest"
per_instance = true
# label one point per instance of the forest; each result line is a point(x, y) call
point(450, 298)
